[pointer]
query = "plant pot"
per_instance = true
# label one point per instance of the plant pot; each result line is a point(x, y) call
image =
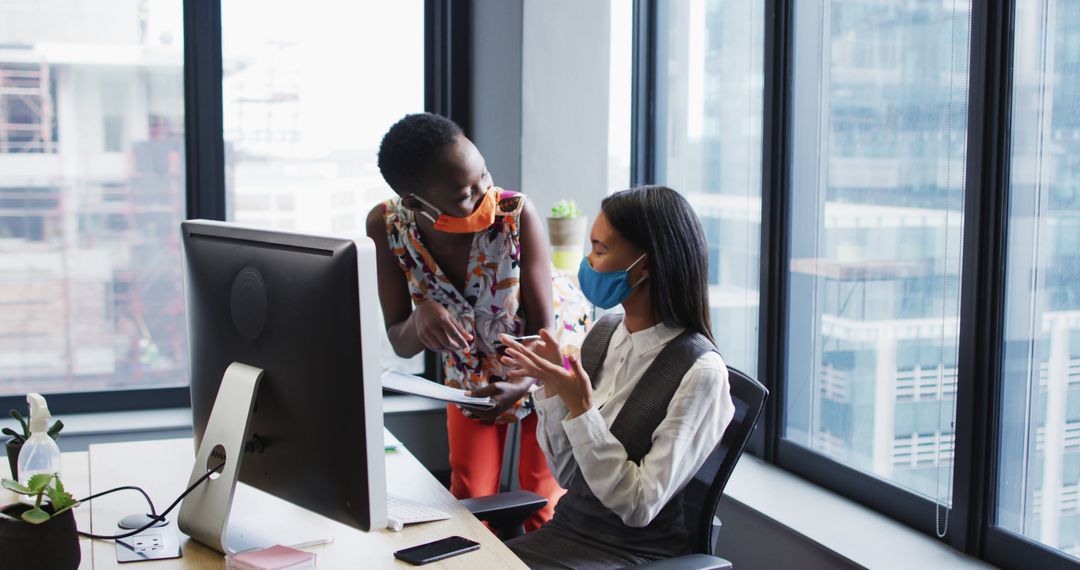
point(567, 236)
point(13, 448)
point(565, 232)
point(51, 544)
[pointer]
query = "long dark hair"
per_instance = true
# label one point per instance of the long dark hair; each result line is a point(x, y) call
point(661, 222)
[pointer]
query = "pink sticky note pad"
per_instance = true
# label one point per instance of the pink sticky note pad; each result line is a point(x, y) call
point(273, 557)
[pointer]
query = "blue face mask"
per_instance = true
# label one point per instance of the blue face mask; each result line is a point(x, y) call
point(605, 289)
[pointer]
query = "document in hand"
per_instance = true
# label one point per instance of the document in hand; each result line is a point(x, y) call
point(409, 384)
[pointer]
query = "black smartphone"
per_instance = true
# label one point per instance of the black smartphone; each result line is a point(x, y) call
point(500, 348)
point(438, 550)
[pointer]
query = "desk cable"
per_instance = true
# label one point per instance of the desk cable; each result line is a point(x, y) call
point(154, 517)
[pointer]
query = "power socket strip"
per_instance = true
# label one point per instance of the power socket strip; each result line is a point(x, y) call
point(159, 543)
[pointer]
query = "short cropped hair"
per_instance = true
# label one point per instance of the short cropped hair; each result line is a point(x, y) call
point(412, 145)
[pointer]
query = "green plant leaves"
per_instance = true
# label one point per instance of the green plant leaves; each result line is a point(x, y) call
point(35, 516)
point(565, 209)
point(13, 485)
point(38, 482)
point(54, 431)
point(38, 486)
point(67, 508)
point(17, 437)
point(61, 499)
point(22, 422)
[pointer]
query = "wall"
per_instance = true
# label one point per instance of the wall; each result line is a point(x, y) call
point(541, 90)
point(750, 540)
point(496, 88)
point(565, 94)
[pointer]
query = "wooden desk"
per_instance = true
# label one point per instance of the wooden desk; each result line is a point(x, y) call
point(162, 469)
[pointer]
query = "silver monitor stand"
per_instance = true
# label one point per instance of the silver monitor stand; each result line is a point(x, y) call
point(205, 512)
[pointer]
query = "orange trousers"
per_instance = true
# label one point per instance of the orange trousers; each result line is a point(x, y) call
point(476, 456)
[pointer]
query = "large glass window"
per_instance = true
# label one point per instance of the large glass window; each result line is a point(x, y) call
point(879, 121)
point(306, 101)
point(1039, 482)
point(708, 147)
point(91, 195)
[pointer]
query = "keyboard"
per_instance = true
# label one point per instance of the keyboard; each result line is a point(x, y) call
point(401, 511)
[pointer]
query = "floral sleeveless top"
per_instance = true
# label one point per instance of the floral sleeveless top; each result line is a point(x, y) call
point(490, 304)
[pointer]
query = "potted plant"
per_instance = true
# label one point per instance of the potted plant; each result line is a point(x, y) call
point(40, 534)
point(14, 444)
point(566, 230)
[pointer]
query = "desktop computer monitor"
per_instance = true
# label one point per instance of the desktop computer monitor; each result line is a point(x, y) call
point(285, 376)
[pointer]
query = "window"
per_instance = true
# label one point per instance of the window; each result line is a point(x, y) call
point(879, 391)
point(708, 147)
point(91, 196)
point(1039, 460)
point(306, 102)
point(878, 130)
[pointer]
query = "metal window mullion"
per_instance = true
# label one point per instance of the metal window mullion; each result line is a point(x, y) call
point(775, 229)
point(643, 102)
point(982, 275)
point(203, 122)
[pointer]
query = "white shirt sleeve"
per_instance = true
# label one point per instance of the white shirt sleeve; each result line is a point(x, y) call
point(552, 439)
point(697, 416)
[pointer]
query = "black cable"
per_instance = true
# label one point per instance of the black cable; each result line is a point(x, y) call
point(154, 519)
point(149, 501)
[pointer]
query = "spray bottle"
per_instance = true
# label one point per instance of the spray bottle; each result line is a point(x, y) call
point(39, 454)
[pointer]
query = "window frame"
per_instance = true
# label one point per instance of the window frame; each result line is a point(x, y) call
point(881, 495)
point(643, 78)
point(982, 285)
point(447, 81)
point(447, 72)
point(775, 220)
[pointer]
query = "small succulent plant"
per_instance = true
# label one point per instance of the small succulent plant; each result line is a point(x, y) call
point(20, 438)
point(565, 209)
point(40, 486)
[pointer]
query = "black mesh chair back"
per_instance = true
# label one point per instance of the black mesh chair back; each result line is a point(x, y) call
point(703, 492)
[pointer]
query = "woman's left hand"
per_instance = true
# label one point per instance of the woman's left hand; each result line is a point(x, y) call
point(504, 394)
point(571, 383)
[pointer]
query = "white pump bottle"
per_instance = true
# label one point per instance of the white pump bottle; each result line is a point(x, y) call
point(39, 454)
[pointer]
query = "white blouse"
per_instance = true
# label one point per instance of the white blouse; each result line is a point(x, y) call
point(697, 416)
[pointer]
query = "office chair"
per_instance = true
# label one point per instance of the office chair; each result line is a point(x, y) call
point(505, 512)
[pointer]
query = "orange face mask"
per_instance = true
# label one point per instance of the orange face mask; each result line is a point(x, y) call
point(481, 218)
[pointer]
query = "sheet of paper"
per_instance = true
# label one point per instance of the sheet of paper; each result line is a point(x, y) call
point(409, 384)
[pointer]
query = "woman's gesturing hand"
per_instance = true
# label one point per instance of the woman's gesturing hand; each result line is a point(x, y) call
point(561, 376)
point(437, 329)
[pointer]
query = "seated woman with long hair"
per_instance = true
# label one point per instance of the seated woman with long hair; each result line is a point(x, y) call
point(626, 424)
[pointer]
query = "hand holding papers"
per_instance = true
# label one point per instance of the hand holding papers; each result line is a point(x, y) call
point(409, 384)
